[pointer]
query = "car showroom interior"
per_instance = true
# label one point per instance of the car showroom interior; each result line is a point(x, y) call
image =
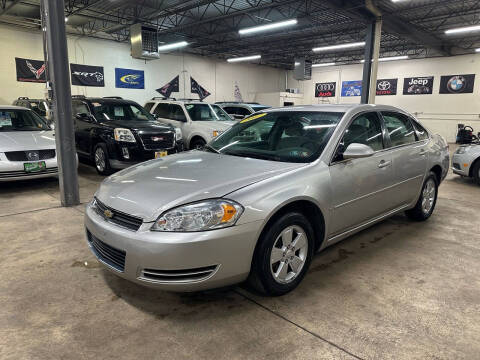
point(240, 179)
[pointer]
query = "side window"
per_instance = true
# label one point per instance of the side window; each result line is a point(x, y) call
point(79, 107)
point(148, 106)
point(422, 134)
point(399, 128)
point(176, 113)
point(243, 111)
point(230, 110)
point(162, 110)
point(365, 129)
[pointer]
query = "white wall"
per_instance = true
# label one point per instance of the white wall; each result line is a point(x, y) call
point(439, 112)
point(217, 76)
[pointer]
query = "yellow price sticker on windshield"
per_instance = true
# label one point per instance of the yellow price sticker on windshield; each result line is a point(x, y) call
point(253, 117)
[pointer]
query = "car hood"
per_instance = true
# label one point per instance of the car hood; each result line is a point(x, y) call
point(26, 140)
point(139, 125)
point(147, 189)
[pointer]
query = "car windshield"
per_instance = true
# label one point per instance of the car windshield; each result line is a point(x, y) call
point(40, 107)
point(120, 111)
point(202, 112)
point(222, 115)
point(288, 136)
point(21, 120)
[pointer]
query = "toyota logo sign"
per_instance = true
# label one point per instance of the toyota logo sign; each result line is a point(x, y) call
point(384, 85)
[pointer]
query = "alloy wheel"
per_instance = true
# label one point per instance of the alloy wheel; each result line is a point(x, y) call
point(428, 196)
point(100, 159)
point(289, 254)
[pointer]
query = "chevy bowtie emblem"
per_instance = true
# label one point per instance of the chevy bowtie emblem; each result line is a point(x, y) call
point(157, 138)
point(108, 214)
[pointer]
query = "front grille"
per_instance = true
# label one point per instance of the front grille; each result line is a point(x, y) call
point(12, 174)
point(106, 253)
point(22, 155)
point(158, 141)
point(184, 275)
point(456, 166)
point(118, 217)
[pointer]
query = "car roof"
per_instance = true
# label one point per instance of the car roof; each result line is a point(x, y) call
point(107, 100)
point(13, 107)
point(335, 108)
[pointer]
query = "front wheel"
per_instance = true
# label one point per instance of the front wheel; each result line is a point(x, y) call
point(197, 143)
point(283, 255)
point(428, 198)
point(476, 171)
point(102, 163)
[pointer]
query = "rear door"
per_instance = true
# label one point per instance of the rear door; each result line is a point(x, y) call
point(409, 156)
point(361, 187)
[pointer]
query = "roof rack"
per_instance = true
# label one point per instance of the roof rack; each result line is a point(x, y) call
point(113, 97)
point(189, 99)
point(78, 97)
point(163, 98)
point(23, 98)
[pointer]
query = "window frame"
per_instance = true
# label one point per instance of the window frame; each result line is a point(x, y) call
point(385, 138)
point(409, 118)
point(185, 113)
point(154, 109)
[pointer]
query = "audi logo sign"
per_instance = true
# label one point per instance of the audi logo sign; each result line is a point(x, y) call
point(325, 89)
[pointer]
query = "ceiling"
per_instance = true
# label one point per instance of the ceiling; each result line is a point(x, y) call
point(410, 27)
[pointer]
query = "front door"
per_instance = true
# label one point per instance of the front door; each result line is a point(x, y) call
point(361, 187)
point(83, 126)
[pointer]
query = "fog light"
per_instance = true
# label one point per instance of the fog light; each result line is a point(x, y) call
point(125, 153)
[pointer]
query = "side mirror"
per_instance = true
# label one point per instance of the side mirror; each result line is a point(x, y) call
point(84, 117)
point(356, 151)
point(155, 116)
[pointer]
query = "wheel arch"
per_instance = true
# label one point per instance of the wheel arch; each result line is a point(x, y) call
point(475, 162)
point(437, 170)
point(194, 137)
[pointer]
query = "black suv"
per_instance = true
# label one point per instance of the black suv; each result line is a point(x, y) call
point(117, 133)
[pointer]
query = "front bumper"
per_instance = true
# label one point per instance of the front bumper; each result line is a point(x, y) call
point(226, 252)
point(136, 154)
point(14, 170)
point(460, 164)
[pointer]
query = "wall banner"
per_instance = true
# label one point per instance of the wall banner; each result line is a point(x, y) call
point(457, 84)
point(324, 90)
point(30, 70)
point(418, 85)
point(129, 79)
point(387, 87)
point(352, 88)
point(86, 75)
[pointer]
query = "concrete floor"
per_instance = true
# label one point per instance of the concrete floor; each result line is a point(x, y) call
point(399, 290)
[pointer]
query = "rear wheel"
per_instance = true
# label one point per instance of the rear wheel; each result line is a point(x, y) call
point(428, 198)
point(100, 157)
point(197, 143)
point(283, 255)
point(476, 171)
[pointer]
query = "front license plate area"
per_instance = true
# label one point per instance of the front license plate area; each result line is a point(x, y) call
point(159, 154)
point(34, 166)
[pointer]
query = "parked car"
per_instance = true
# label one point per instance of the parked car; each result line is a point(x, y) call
point(40, 106)
point(200, 122)
point(117, 133)
point(27, 145)
point(260, 199)
point(466, 161)
point(239, 110)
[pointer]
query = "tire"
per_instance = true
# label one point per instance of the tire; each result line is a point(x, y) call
point(197, 143)
point(476, 172)
point(102, 166)
point(277, 272)
point(426, 202)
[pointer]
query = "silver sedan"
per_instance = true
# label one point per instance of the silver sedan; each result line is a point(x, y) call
point(466, 161)
point(258, 201)
point(27, 145)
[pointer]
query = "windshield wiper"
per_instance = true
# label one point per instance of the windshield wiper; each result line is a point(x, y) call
point(253, 155)
point(211, 149)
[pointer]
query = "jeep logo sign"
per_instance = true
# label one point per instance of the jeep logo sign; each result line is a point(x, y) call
point(418, 85)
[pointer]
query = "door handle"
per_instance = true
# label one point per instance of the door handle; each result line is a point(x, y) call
point(384, 163)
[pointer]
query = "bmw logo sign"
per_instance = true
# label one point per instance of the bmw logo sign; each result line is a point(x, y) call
point(456, 84)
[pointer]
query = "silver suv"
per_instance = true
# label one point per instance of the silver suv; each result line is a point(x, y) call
point(239, 110)
point(263, 197)
point(200, 122)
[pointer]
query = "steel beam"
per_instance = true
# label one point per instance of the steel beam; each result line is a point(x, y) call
point(376, 55)
point(58, 70)
point(367, 65)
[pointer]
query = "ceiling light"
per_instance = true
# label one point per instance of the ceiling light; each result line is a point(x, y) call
point(244, 58)
point(297, 63)
point(267, 27)
point(340, 46)
point(477, 50)
point(324, 64)
point(390, 58)
point(463, 29)
point(172, 46)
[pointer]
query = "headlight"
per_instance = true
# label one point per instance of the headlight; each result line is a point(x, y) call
point(200, 216)
point(462, 149)
point(178, 134)
point(124, 135)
